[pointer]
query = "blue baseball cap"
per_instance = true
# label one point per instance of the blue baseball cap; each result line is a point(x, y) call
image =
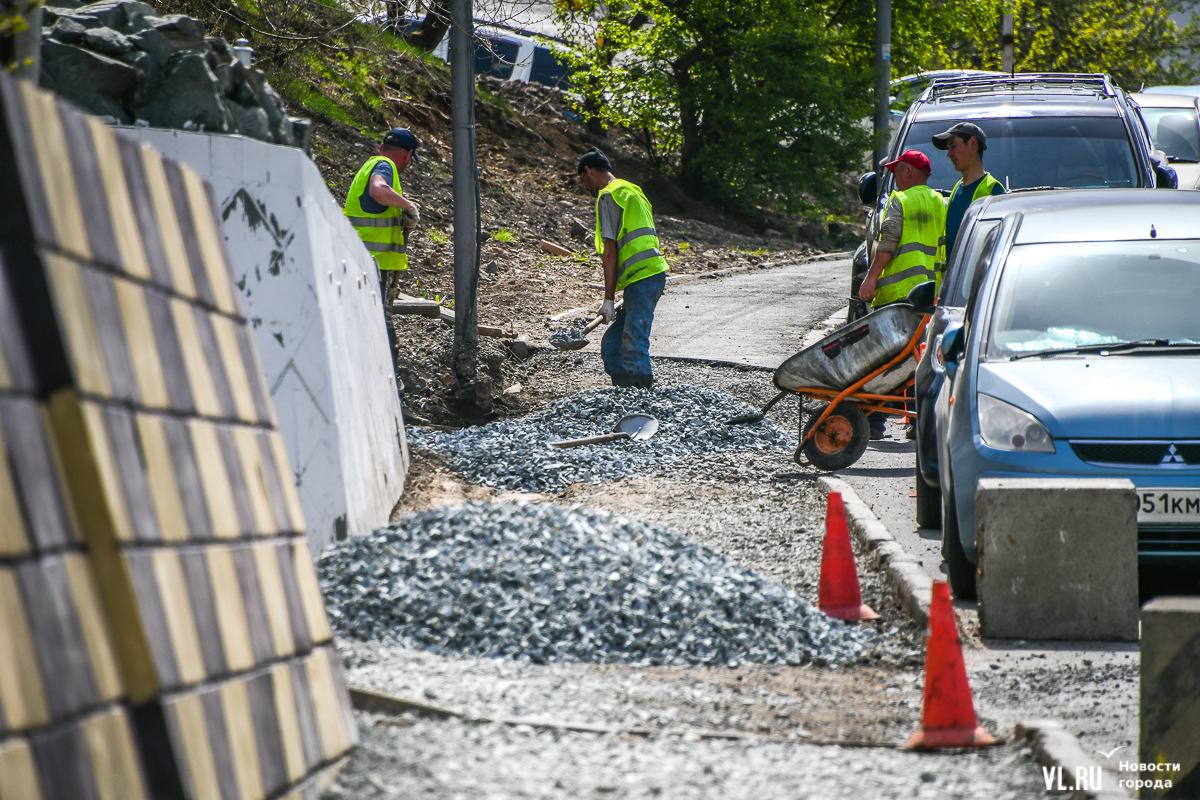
point(402, 138)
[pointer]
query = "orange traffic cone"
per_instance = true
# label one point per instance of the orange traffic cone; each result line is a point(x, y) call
point(948, 717)
point(838, 594)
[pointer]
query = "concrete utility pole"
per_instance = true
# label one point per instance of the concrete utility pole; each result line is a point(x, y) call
point(462, 102)
point(1006, 40)
point(883, 80)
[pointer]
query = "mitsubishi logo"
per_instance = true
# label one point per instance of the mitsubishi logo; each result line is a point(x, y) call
point(1172, 457)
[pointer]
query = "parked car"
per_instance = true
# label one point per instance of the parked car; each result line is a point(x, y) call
point(1173, 122)
point(1079, 356)
point(1043, 130)
point(510, 54)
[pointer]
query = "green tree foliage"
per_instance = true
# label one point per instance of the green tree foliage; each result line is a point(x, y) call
point(762, 101)
point(748, 99)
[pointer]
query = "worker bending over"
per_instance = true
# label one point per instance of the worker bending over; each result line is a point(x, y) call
point(377, 208)
point(964, 144)
point(628, 246)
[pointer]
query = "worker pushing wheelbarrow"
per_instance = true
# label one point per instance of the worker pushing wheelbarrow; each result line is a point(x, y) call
point(861, 367)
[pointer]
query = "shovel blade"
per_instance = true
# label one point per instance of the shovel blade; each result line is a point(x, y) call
point(746, 419)
point(638, 426)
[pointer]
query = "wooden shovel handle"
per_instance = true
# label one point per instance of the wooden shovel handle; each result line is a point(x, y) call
point(607, 437)
point(591, 326)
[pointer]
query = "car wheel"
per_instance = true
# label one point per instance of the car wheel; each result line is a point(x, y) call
point(839, 441)
point(961, 571)
point(929, 503)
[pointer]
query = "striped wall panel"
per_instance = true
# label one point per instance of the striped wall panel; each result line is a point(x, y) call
point(157, 594)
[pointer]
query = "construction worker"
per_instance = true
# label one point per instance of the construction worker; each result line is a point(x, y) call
point(964, 144)
point(913, 223)
point(379, 211)
point(907, 253)
point(628, 246)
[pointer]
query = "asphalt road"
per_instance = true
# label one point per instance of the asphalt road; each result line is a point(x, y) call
point(761, 318)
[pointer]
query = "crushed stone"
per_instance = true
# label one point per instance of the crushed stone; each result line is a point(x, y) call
point(548, 584)
point(516, 454)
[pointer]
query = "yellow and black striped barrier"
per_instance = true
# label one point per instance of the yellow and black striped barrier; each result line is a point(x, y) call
point(162, 632)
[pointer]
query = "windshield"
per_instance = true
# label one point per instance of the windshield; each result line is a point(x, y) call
point(1058, 296)
point(1075, 152)
point(1174, 131)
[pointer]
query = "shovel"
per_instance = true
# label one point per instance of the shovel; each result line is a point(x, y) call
point(631, 426)
point(576, 344)
point(756, 416)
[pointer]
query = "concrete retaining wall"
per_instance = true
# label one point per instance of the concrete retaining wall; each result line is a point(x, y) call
point(312, 295)
point(1057, 559)
point(1170, 716)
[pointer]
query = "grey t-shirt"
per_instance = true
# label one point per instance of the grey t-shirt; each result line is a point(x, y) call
point(610, 217)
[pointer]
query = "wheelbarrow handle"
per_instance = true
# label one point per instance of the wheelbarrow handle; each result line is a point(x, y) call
point(607, 437)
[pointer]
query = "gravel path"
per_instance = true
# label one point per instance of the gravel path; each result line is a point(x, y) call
point(406, 758)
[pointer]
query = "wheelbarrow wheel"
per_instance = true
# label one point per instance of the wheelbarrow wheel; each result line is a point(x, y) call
point(840, 440)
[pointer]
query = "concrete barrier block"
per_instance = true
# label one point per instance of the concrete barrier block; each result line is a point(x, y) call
point(1057, 558)
point(1170, 698)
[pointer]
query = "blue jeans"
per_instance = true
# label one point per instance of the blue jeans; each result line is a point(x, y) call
point(625, 347)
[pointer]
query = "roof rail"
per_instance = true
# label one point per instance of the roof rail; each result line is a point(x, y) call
point(989, 84)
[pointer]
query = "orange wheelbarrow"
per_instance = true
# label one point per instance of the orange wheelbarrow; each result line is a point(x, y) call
point(866, 365)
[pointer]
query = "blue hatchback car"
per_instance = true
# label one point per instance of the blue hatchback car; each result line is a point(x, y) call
point(1079, 356)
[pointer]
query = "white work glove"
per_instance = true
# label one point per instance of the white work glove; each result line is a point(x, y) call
point(607, 311)
point(410, 218)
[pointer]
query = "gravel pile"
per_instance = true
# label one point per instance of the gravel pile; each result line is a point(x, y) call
point(552, 584)
point(515, 454)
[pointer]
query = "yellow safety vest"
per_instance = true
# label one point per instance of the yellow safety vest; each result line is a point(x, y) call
point(381, 233)
point(923, 238)
point(638, 255)
point(986, 186)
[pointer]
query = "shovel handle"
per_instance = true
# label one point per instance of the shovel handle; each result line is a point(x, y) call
point(591, 326)
point(607, 437)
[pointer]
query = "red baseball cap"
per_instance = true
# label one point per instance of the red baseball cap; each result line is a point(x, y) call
point(913, 157)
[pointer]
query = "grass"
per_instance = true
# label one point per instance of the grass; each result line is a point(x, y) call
point(440, 237)
point(504, 235)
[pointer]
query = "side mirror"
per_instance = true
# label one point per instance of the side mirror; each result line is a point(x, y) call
point(1164, 177)
point(950, 348)
point(868, 188)
point(923, 297)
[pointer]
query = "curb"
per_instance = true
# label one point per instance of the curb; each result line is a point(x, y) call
point(1053, 746)
point(902, 572)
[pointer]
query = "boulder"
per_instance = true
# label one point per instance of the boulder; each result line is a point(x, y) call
point(68, 30)
point(251, 122)
point(190, 93)
point(154, 44)
point(74, 72)
point(115, 14)
point(107, 41)
point(185, 33)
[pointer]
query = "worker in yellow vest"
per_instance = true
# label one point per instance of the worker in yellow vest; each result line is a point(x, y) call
point(964, 144)
point(628, 247)
point(909, 248)
point(377, 208)
point(914, 221)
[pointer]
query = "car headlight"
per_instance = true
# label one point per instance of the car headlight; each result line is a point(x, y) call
point(1006, 427)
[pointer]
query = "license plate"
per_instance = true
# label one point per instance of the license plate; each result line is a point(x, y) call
point(1170, 506)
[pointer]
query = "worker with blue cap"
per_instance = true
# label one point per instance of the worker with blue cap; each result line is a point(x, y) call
point(377, 208)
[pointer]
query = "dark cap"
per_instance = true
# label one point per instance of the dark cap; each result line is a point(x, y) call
point(595, 159)
point(402, 138)
point(963, 130)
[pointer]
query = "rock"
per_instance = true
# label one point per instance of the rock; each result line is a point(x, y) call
point(554, 249)
point(493, 267)
point(302, 132)
point(812, 229)
point(80, 75)
point(190, 93)
point(579, 230)
point(107, 41)
point(68, 30)
point(251, 122)
point(115, 14)
point(771, 233)
point(185, 33)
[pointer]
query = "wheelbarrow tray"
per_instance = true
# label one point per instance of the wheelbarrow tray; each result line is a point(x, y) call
point(854, 351)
